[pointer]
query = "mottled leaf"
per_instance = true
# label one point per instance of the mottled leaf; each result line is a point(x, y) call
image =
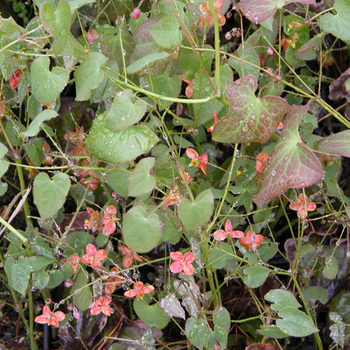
point(338, 88)
point(291, 165)
point(249, 119)
point(172, 306)
point(338, 144)
point(258, 11)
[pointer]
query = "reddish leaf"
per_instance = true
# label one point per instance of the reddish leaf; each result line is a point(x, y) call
point(337, 89)
point(258, 11)
point(249, 119)
point(338, 144)
point(291, 165)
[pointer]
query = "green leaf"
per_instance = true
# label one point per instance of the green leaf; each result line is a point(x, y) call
point(57, 23)
point(341, 304)
point(295, 322)
point(75, 4)
point(18, 274)
point(119, 146)
point(141, 229)
point(50, 194)
point(40, 279)
point(316, 293)
point(34, 127)
point(170, 231)
point(141, 180)
point(338, 24)
point(144, 61)
point(38, 262)
point(4, 165)
point(330, 270)
point(58, 276)
point(199, 334)
point(281, 299)
point(77, 242)
point(125, 111)
point(151, 315)
point(219, 255)
point(248, 62)
point(291, 165)
point(196, 214)
point(46, 84)
point(119, 181)
point(222, 324)
point(42, 248)
point(337, 144)
point(88, 75)
point(249, 119)
point(83, 296)
point(255, 276)
point(272, 332)
point(165, 32)
point(165, 85)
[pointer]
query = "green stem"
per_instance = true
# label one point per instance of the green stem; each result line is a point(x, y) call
point(33, 344)
point(158, 96)
point(217, 48)
point(13, 230)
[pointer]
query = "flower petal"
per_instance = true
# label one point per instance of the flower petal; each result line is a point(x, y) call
point(191, 153)
point(91, 249)
point(219, 235)
point(176, 255)
point(176, 267)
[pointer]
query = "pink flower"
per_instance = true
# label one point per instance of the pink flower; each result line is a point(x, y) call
point(15, 78)
point(101, 305)
point(51, 318)
point(207, 17)
point(136, 12)
point(74, 261)
point(302, 206)
point(198, 161)
point(261, 160)
point(129, 257)
point(109, 219)
point(252, 240)
point(216, 120)
point(94, 256)
point(182, 262)
point(171, 198)
point(220, 235)
point(91, 35)
point(113, 280)
point(187, 177)
point(94, 223)
point(139, 290)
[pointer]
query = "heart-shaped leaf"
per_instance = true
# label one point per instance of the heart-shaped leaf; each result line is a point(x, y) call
point(249, 119)
point(35, 125)
point(125, 111)
point(141, 181)
point(57, 23)
point(255, 276)
point(165, 32)
point(338, 144)
point(119, 146)
point(258, 11)
point(151, 315)
point(88, 75)
point(199, 333)
point(141, 229)
point(338, 24)
point(18, 274)
point(46, 85)
point(281, 299)
point(291, 165)
point(295, 322)
point(50, 194)
point(196, 214)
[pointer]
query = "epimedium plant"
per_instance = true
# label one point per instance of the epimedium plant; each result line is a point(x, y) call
point(165, 153)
